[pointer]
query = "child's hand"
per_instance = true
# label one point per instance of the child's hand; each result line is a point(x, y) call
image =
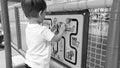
point(54, 28)
point(62, 28)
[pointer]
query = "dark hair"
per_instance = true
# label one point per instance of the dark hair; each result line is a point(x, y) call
point(31, 8)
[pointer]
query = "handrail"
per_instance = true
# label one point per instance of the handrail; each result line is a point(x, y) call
point(20, 51)
point(79, 5)
point(75, 5)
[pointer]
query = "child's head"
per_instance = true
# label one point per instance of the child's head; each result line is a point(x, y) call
point(32, 8)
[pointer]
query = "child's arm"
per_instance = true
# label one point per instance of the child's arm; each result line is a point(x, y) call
point(60, 34)
point(48, 35)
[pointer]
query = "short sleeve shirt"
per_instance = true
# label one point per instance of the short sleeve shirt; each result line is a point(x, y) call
point(39, 47)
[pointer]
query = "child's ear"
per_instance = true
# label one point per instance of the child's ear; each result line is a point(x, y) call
point(40, 12)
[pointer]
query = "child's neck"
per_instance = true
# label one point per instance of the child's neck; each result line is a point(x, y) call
point(34, 21)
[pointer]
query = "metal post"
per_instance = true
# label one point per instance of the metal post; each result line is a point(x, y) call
point(114, 36)
point(18, 28)
point(6, 28)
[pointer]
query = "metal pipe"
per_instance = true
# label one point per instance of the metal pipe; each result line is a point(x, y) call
point(18, 28)
point(113, 49)
point(6, 28)
point(79, 5)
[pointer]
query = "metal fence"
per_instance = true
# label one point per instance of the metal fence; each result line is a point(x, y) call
point(98, 37)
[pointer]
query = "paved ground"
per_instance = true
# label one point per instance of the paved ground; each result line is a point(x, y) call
point(2, 59)
point(14, 53)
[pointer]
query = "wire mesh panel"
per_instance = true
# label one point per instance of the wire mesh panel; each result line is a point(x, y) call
point(98, 37)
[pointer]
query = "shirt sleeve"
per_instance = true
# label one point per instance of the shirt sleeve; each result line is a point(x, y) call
point(47, 34)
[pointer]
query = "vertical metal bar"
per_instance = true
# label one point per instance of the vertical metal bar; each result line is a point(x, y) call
point(18, 28)
point(114, 36)
point(85, 39)
point(6, 28)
